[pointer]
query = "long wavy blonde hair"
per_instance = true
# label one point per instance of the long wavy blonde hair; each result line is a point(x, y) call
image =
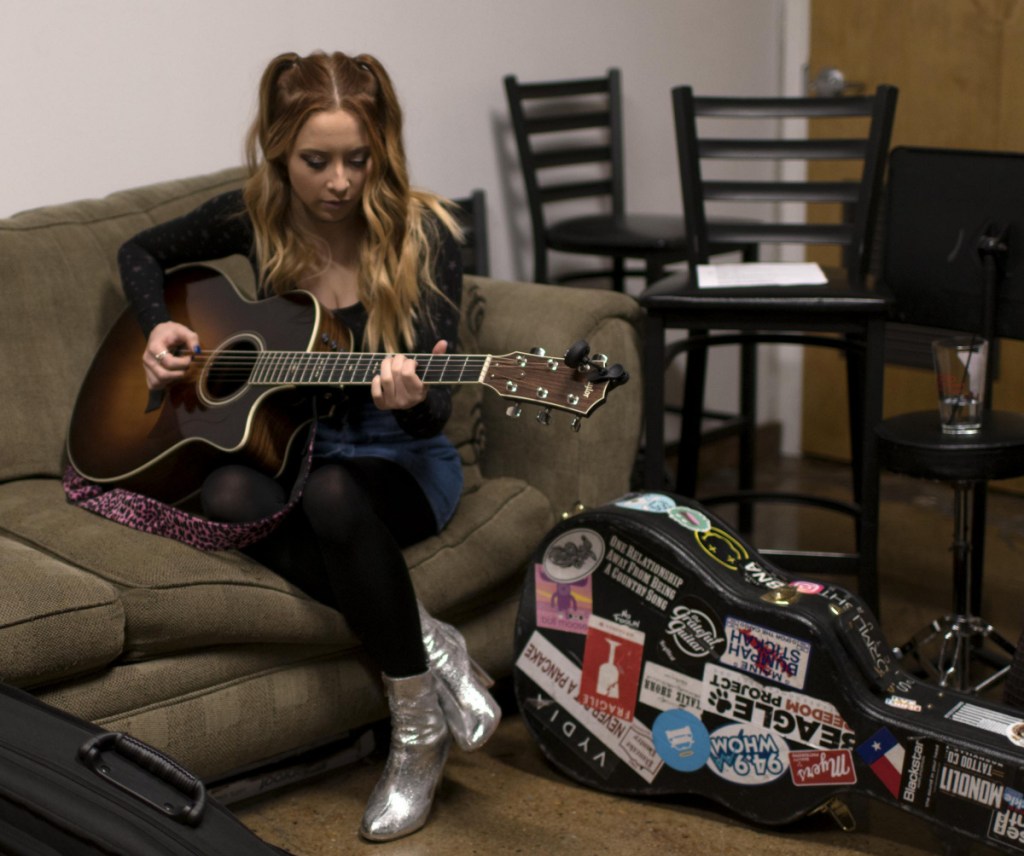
point(396, 254)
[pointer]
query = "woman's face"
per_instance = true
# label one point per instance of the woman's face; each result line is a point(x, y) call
point(327, 167)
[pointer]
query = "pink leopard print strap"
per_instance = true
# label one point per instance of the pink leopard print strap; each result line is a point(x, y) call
point(158, 518)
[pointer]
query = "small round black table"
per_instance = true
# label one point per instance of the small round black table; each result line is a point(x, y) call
point(914, 444)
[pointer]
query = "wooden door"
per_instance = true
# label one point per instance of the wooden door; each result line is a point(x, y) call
point(960, 72)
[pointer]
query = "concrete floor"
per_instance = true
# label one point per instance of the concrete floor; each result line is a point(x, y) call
point(507, 799)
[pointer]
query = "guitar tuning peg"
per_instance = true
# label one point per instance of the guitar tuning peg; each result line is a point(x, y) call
point(577, 354)
point(514, 411)
point(538, 352)
point(576, 423)
point(544, 416)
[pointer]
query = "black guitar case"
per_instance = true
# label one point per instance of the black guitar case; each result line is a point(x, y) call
point(68, 788)
point(658, 654)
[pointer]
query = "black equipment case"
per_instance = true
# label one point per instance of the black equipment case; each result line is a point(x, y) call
point(658, 654)
point(68, 788)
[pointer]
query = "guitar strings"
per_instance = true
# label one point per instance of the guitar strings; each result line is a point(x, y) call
point(241, 365)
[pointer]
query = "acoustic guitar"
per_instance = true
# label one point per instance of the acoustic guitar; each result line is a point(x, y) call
point(658, 654)
point(247, 396)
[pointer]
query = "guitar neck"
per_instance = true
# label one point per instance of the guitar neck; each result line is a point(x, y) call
point(274, 368)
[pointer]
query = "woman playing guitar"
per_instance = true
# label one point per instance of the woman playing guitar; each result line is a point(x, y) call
point(327, 208)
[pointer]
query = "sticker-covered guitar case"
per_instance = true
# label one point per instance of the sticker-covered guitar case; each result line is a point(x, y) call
point(658, 654)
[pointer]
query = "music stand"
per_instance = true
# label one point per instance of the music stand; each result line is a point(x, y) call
point(953, 261)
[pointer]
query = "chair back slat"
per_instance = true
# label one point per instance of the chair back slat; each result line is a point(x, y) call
point(562, 89)
point(574, 190)
point(568, 122)
point(571, 157)
point(836, 149)
point(782, 108)
point(845, 192)
point(797, 233)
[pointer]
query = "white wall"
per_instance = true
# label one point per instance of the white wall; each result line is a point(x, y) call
point(99, 95)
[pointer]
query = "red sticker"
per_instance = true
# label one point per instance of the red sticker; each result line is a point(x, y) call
point(822, 767)
point(612, 662)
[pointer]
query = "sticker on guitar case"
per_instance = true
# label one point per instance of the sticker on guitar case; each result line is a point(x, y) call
point(681, 740)
point(972, 777)
point(724, 548)
point(694, 630)
point(653, 584)
point(563, 606)
point(902, 703)
point(821, 767)
point(747, 755)
point(1007, 827)
point(656, 503)
point(766, 653)
point(690, 518)
point(556, 675)
point(612, 661)
point(885, 755)
point(665, 689)
point(791, 715)
point(761, 577)
point(987, 719)
point(1016, 734)
point(573, 555)
point(918, 787)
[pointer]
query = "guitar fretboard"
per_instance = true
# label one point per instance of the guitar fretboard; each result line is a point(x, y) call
point(331, 369)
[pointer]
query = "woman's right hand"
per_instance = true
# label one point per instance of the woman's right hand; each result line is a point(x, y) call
point(168, 353)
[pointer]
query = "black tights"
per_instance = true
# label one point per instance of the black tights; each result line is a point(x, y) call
point(342, 545)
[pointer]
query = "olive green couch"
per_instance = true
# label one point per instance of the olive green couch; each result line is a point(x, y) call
point(209, 656)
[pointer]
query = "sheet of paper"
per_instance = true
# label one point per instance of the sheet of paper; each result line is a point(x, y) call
point(760, 273)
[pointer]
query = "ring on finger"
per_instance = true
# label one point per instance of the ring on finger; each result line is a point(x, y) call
point(160, 357)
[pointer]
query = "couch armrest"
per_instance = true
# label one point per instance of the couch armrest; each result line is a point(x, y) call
point(593, 465)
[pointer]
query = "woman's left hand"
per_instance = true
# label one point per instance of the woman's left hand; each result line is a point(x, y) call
point(397, 386)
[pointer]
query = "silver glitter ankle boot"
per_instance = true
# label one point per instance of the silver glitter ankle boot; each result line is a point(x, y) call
point(402, 798)
point(472, 713)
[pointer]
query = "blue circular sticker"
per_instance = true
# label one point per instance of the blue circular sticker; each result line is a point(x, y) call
point(681, 740)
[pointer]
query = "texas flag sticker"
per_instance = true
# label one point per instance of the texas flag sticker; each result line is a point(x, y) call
point(884, 755)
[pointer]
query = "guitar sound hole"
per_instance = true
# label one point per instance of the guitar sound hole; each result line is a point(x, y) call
point(229, 369)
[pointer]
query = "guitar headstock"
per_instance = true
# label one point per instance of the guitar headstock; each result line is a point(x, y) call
point(577, 383)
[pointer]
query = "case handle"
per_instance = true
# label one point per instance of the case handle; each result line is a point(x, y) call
point(149, 759)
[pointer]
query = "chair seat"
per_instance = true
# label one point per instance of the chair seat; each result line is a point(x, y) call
point(795, 303)
point(632, 235)
point(913, 444)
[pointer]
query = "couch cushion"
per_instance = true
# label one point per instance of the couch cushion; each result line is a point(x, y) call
point(220, 709)
point(55, 621)
point(174, 597)
point(177, 598)
point(482, 553)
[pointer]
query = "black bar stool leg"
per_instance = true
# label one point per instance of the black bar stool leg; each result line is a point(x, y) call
point(654, 402)
point(693, 408)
